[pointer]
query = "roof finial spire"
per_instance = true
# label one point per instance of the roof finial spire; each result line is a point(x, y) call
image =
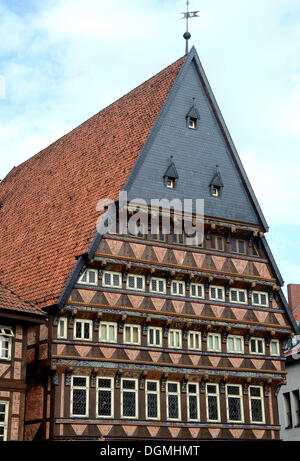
point(187, 16)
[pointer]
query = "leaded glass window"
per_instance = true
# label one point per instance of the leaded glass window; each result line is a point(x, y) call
point(83, 330)
point(108, 332)
point(212, 402)
point(178, 288)
point(175, 339)
point(257, 413)
point(89, 277)
point(3, 420)
point(197, 290)
point(173, 401)
point(259, 298)
point(194, 340)
point(193, 401)
point(112, 279)
point(257, 346)
point(216, 293)
point(238, 296)
point(129, 398)
point(79, 396)
point(234, 403)
point(157, 285)
point(136, 282)
point(152, 400)
point(105, 397)
point(155, 336)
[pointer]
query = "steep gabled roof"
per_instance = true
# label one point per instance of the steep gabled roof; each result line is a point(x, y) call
point(48, 213)
point(12, 302)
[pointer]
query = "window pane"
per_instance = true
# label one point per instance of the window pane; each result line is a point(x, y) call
point(104, 403)
point(173, 406)
point(193, 409)
point(260, 346)
point(130, 281)
point(103, 332)
point(151, 336)
point(86, 330)
point(116, 280)
point(152, 403)
point(233, 295)
point(139, 283)
point(234, 406)
point(127, 334)
point(242, 297)
point(78, 330)
point(212, 408)
point(241, 246)
point(217, 342)
point(135, 335)
point(129, 404)
point(111, 332)
point(157, 337)
point(253, 345)
point(79, 402)
point(230, 344)
point(92, 277)
point(256, 410)
point(107, 279)
point(238, 343)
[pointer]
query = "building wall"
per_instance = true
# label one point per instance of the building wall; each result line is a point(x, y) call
point(293, 385)
point(294, 299)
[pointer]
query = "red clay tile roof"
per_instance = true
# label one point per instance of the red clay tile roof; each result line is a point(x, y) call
point(49, 202)
point(11, 301)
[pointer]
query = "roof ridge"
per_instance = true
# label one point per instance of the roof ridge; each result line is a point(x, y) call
point(106, 108)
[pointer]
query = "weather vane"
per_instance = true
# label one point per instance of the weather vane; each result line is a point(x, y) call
point(187, 15)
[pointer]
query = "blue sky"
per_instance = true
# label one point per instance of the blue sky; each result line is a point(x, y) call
point(64, 60)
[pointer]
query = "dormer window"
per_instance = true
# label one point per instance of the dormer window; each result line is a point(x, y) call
point(216, 184)
point(192, 117)
point(170, 183)
point(192, 123)
point(216, 191)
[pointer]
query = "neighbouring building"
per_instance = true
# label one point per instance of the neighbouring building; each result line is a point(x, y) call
point(17, 317)
point(294, 299)
point(149, 336)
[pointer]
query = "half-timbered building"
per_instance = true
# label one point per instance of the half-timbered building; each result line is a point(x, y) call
point(149, 336)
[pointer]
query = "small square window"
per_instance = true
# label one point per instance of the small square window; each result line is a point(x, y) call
point(170, 183)
point(192, 123)
point(216, 191)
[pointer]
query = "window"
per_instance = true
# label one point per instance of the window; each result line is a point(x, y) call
point(3, 421)
point(170, 183)
point(152, 400)
point(214, 342)
point(132, 334)
point(108, 332)
point(178, 288)
point(288, 410)
point(193, 401)
point(216, 191)
point(194, 340)
point(129, 398)
point(89, 277)
point(112, 279)
point(274, 347)
point(296, 399)
point(217, 243)
point(235, 344)
point(83, 330)
point(216, 293)
point(155, 336)
point(234, 403)
point(257, 346)
point(238, 246)
point(192, 123)
point(238, 296)
point(212, 402)
point(79, 396)
point(62, 328)
point(6, 335)
point(179, 239)
point(197, 290)
point(256, 400)
point(136, 282)
point(175, 339)
point(173, 401)
point(105, 397)
point(259, 298)
point(157, 285)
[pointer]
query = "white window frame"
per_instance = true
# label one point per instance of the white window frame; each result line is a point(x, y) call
point(260, 293)
point(136, 392)
point(87, 271)
point(178, 394)
point(238, 291)
point(82, 321)
point(158, 281)
point(157, 393)
point(177, 283)
point(6, 335)
point(108, 324)
point(131, 327)
point(216, 238)
point(235, 337)
point(112, 275)
point(135, 277)
point(99, 389)
point(195, 394)
point(155, 329)
point(276, 341)
point(237, 246)
point(196, 286)
point(86, 388)
point(240, 396)
point(176, 332)
point(256, 341)
point(217, 395)
point(216, 287)
point(62, 321)
point(214, 335)
point(193, 333)
point(4, 423)
point(261, 398)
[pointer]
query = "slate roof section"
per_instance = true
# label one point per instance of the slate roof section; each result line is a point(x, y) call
point(12, 302)
point(49, 202)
